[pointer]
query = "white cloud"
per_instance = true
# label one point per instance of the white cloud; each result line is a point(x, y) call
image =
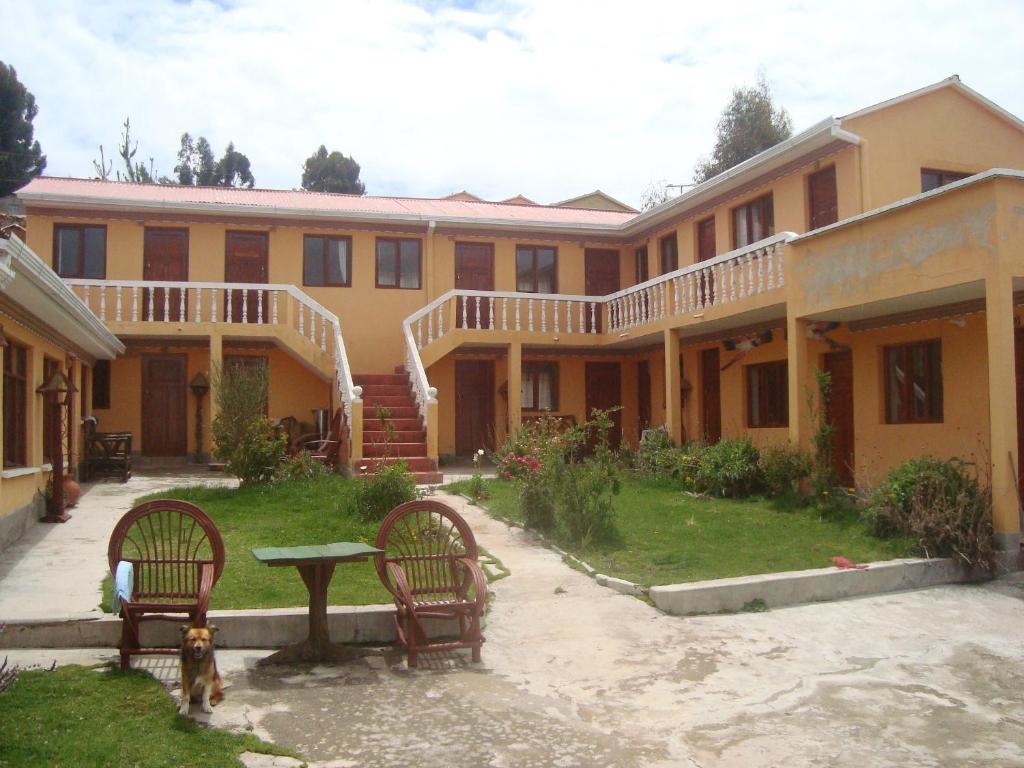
point(549, 99)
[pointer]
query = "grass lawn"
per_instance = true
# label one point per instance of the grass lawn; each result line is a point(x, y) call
point(668, 537)
point(76, 716)
point(283, 514)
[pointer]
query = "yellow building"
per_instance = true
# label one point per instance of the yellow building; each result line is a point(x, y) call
point(882, 246)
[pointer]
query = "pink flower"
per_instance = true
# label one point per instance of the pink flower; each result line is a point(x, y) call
point(508, 475)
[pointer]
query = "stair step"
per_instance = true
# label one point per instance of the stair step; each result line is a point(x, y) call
point(388, 401)
point(398, 413)
point(372, 424)
point(395, 449)
point(385, 390)
point(414, 463)
point(400, 436)
point(363, 379)
point(400, 370)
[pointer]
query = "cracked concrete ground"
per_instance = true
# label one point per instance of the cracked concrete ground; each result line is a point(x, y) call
point(583, 676)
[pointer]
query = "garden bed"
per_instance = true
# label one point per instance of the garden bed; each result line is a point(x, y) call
point(281, 514)
point(665, 536)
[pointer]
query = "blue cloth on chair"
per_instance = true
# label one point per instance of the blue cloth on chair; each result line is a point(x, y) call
point(124, 579)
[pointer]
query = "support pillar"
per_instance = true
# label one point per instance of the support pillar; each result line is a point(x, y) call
point(216, 368)
point(673, 413)
point(1002, 399)
point(515, 385)
point(800, 371)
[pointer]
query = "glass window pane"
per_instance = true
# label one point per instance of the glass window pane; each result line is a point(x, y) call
point(410, 272)
point(756, 223)
point(894, 377)
point(545, 270)
point(754, 384)
point(387, 258)
point(95, 252)
point(337, 262)
point(935, 381)
point(68, 249)
point(313, 261)
point(740, 219)
point(524, 270)
point(919, 384)
point(526, 389)
point(545, 389)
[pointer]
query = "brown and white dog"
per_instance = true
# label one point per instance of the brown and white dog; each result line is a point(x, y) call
point(199, 675)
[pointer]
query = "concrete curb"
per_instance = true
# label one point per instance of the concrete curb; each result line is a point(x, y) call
point(775, 590)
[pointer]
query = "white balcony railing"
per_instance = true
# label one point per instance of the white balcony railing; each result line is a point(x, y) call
point(158, 303)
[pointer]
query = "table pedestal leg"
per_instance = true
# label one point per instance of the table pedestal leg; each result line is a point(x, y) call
point(318, 646)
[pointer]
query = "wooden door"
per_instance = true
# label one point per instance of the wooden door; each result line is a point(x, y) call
point(840, 413)
point(822, 198)
point(164, 257)
point(707, 248)
point(474, 271)
point(601, 270)
point(643, 391)
point(163, 412)
point(711, 398)
point(1018, 345)
point(474, 406)
point(245, 261)
point(604, 391)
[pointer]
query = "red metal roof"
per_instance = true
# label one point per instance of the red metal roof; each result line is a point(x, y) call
point(51, 189)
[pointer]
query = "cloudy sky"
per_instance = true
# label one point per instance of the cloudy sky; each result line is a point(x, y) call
point(545, 98)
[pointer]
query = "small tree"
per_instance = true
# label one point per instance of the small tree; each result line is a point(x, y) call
point(751, 123)
point(232, 170)
point(21, 158)
point(332, 172)
point(245, 438)
point(134, 172)
point(654, 195)
point(196, 165)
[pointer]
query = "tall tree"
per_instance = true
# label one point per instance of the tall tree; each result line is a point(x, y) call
point(21, 158)
point(751, 123)
point(232, 170)
point(195, 162)
point(332, 172)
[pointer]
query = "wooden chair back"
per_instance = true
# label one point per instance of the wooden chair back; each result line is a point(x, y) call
point(167, 542)
point(425, 538)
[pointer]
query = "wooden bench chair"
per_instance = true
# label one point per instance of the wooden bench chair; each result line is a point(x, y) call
point(324, 448)
point(430, 567)
point(177, 556)
point(107, 453)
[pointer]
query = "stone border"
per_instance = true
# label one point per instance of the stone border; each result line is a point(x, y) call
point(775, 590)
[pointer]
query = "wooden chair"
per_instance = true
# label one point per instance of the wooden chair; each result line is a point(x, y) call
point(326, 448)
point(107, 453)
point(177, 555)
point(430, 567)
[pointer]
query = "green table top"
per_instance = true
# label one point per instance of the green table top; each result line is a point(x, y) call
point(339, 550)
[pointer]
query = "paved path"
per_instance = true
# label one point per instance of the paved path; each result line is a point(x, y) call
point(55, 570)
point(577, 675)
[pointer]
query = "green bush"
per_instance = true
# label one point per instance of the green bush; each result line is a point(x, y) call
point(585, 512)
point(537, 504)
point(245, 439)
point(783, 468)
point(375, 495)
point(302, 466)
point(727, 468)
point(657, 455)
point(941, 505)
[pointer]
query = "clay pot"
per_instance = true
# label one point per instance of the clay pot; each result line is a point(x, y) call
point(72, 491)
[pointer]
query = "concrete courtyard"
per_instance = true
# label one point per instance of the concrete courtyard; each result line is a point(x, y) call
point(574, 674)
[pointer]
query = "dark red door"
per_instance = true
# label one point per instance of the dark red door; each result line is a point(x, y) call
point(711, 397)
point(245, 261)
point(474, 406)
point(601, 270)
point(840, 413)
point(163, 410)
point(165, 257)
point(604, 391)
point(707, 249)
point(1018, 345)
point(474, 271)
point(643, 389)
point(822, 197)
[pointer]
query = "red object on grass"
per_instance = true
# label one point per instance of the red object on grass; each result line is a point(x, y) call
point(842, 562)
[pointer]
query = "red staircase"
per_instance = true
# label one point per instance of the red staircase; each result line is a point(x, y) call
point(409, 443)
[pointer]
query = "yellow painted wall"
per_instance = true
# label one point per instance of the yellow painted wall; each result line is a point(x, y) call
point(943, 130)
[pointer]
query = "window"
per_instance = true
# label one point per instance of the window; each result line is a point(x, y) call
point(753, 221)
point(51, 410)
point(101, 385)
point(398, 263)
point(822, 198)
point(80, 251)
point(640, 255)
point(539, 387)
point(15, 401)
point(669, 247)
point(933, 179)
point(913, 382)
point(706, 246)
point(768, 395)
point(536, 269)
point(327, 261)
